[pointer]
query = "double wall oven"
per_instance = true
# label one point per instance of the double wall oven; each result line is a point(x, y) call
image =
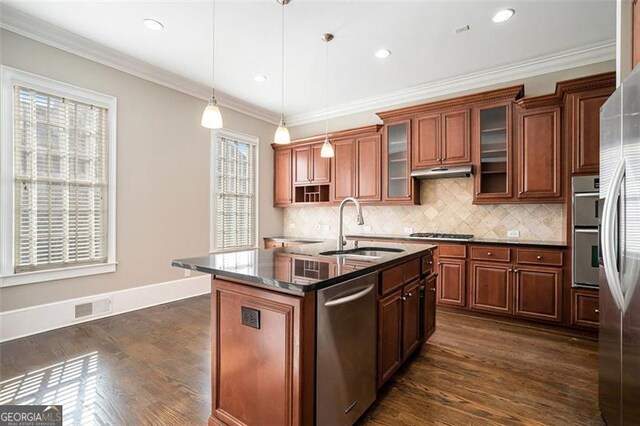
point(586, 220)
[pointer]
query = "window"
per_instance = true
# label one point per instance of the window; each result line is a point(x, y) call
point(58, 191)
point(233, 201)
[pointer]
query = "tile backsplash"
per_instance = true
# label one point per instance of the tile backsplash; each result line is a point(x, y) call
point(446, 206)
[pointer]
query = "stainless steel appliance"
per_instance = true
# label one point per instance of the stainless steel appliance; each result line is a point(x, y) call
point(442, 172)
point(441, 236)
point(619, 339)
point(586, 218)
point(346, 347)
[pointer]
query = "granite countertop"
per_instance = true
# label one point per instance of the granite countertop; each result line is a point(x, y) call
point(258, 266)
point(539, 243)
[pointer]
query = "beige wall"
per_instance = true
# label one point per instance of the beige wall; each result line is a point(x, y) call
point(162, 173)
point(445, 206)
point(539, 85)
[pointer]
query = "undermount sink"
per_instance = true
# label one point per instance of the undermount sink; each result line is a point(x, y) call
point(370, 252)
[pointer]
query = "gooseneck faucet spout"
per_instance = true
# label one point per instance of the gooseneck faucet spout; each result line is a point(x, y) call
point(359, 219)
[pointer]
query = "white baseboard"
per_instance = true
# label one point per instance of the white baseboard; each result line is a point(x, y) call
point(37, 319)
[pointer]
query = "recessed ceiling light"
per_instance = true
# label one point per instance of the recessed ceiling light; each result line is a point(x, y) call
point(152, 24)
point(503, 15)
point(383, 53)
point(261, 78)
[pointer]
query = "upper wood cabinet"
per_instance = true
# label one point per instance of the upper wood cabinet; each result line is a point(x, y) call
point(309, 166)
point(282, 177)
point(398, 186)
point(356, 170)
point(539, 154)
point(441, 138)
point(583, 125)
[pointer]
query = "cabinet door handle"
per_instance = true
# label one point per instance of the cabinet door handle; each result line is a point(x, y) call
point(403, 298)
point(516, 270)
point(510, 270)
point(433, 289)
point(409, 294)
point(597, 311)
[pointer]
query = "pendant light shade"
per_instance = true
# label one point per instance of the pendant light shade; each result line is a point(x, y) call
point(211, 117)
point(282, 136)
point(327, 149)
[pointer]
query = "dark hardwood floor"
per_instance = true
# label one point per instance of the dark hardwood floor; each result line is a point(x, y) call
point(152, 367)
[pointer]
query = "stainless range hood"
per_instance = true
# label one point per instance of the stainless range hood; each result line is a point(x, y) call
point(442, 172)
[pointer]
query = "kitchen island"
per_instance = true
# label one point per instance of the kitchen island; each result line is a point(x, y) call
point(302, 337)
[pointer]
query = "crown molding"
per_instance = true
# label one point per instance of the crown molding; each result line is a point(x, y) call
point(585, 55)
point(49, 34)
point(358, 132)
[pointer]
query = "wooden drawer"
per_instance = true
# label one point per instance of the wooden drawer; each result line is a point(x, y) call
point(452, 250)
point(539, 257)
point(427, 263)
point(499, 254)
point(585, 309)
point(392, 279)
point(411, 270)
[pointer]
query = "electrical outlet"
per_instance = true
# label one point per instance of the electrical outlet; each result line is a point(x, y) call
point(408, 231)
point(513, 233)
point(187, 272)
point(367, 229)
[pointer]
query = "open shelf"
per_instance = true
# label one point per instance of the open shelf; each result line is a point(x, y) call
point(312, 194)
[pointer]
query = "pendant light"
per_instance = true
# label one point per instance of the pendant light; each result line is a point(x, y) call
point(282, 136)
point(212, 117)
point(327, 148)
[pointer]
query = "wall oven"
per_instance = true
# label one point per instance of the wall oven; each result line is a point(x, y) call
point(586, 219)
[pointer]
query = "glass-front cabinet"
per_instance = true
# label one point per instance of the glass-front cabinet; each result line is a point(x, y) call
point(493, 181)
point(397, 184)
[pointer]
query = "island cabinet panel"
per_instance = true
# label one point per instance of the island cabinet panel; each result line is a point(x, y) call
point(491, 288)
point(344, 169)
point(280, 391)
point(538, 293)
point(426, 144)
point(429, 309)
point(456, 143)
point(368, 168)
point(451, 281)
point(283, 177)
point(411, 318)
point(389, 335)
point(539, 154)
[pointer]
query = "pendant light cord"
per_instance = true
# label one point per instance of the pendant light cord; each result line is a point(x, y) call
point(326, 108)
point(213, 52)
point(282, 64)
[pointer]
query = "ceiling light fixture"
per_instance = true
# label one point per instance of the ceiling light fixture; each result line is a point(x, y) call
point(152, 24)
point(503, 15)
point(261, 78)
point(212, 117)
point(327, 149)
point(383, 53)
point(282, 136)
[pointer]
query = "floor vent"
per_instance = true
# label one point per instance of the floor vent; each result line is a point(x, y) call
point(94, 308)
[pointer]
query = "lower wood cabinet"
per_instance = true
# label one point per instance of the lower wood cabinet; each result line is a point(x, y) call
point(429, 309)
point(585, 309)
point(451, 282)
point(538, 293)
point(411, 318)
point(491, 288)
point(389, 335)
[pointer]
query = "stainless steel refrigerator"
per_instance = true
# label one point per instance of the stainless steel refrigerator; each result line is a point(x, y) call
point(619, 339)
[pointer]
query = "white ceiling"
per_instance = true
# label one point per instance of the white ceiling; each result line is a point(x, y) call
point(420, 34)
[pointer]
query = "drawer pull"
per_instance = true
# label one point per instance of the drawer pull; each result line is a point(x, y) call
point(409, 294)
point(539, 257)
point(432, 289)
point(597, 311)
point(488, 253)
point(403, 298)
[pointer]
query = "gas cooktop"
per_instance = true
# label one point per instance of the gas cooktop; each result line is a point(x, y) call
point(441, 236)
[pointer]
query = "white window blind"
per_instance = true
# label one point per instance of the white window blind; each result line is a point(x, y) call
point(60, 181)
point(235, 187)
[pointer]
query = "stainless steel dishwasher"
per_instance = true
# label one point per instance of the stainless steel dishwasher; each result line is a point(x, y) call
point(346, 347)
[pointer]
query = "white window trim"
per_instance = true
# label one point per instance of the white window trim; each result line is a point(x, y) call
point(11, 77)
point(240, 137)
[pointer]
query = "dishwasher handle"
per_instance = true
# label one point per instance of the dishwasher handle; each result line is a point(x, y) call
point(350, 298)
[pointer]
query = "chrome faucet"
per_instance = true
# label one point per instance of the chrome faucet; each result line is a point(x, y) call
point(359, 219)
